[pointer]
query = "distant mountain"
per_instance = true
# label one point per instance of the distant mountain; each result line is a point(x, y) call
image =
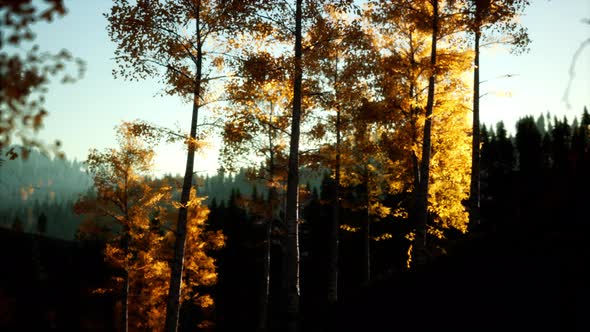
point(39, 185)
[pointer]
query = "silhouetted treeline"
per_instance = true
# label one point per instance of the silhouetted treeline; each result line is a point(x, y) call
point(540, 174)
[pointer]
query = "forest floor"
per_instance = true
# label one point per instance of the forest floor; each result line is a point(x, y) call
point(494, 281)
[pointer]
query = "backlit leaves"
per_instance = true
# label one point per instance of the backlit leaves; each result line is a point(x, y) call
point(25, 76)
point(137, 216)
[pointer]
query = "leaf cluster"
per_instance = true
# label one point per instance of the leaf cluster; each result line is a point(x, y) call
point(26, 73)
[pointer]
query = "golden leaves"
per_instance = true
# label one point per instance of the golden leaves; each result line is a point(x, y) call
point(379, 210)
point(382, 237)
point(137, 217)
point(204, 301)
point(411, 236)
point(349, 228)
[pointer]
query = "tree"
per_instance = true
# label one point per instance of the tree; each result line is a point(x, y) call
point(561, 143)
point(415, 148)
point(136, 217)
point(499, 17)
point(581, 142)
point(256, 124)
point(276, 22)
point(42, 224)
point(151, 43)
point(336, 62)
point(292, 206)
point(528, 143)
point(123, 197)
point(24, 77)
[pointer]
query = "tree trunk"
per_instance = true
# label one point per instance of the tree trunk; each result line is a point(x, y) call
point(265, 296)
point(474, 213)
point(366, 232)
point(177, 264)
point(125, 293)
point(292, 248)
point(333, 251)
point(272, 197)
point(419, 250)
point(125, 303)
point(415, 161)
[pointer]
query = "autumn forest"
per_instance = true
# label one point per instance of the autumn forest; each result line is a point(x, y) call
point(358, 188)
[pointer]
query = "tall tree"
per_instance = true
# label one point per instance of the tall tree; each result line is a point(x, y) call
point(171, 40)
point(256, 124)
point(581, 141)
point(528, 143)
point(499, 18)
point(292, 206)
point(137, 216)
point(123, 197)
point(340, 57)
point(275, 23)
point(419, 254)
point(404, 32)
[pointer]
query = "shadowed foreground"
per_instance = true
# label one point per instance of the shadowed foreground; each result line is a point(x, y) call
point(497, 282)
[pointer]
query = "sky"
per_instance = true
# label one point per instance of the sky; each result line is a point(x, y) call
point(83, 115)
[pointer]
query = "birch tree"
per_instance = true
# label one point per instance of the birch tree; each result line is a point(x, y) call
point(173, 41)
point(136, 217)
point(403, 32)
point(499, 19)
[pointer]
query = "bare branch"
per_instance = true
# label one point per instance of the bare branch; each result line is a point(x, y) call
point(572, 71)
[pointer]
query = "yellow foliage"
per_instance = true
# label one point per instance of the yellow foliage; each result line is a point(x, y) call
point(379, 210)
point(140, 216)
point(384, 236)
point(349, 228)
point(405, 68)
point(400, 213)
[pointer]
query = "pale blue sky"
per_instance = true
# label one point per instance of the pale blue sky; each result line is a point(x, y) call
point(84, 114)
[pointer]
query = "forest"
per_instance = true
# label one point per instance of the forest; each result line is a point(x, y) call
point(358, 188)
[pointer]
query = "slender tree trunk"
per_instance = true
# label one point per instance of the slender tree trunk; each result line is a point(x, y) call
point(366, 232)
point(272, 197)
point(292, 259)
point(333, 253)
point(474, 213)
point(177, 264)
point(415, 161)
point(125, 293)
point(413, 117)
point(419, 250)
point(265, 296)
point(125, 303)
point(126, 243)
